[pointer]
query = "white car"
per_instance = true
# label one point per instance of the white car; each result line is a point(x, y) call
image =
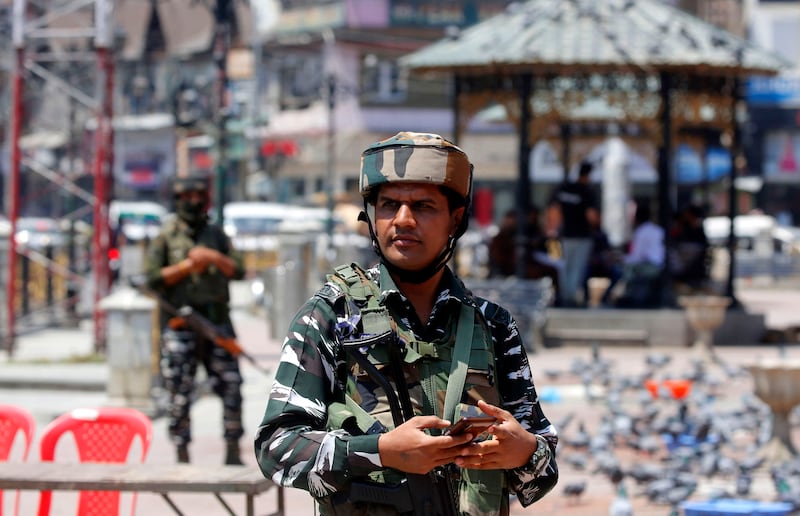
point(752, 231)
point(763, 246)
point(136, 220)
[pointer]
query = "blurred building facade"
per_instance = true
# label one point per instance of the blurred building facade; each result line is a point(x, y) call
point(773, 126)
point(334, 86)
point(310, 83)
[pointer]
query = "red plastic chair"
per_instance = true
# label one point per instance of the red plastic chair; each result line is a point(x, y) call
point(101, 435)
point(14, 420)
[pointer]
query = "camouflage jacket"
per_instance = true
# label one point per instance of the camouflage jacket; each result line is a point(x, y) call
point(208, 292)
point(292, 445)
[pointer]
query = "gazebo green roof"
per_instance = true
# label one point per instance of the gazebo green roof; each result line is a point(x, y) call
point(585, 36)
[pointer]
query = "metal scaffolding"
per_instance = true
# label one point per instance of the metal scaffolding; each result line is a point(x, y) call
point(28, 27)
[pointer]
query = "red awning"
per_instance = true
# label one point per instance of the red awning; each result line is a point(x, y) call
point(286, 148)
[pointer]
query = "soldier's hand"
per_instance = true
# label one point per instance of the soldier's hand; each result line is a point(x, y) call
point(202, 257)
point(409, 448)
point(511, 445)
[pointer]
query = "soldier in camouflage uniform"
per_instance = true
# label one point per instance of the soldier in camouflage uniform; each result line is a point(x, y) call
point(190, 264)
point(327, 426)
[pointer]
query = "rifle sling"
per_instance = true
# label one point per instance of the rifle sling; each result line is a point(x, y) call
point(354, 349)
point(460, 361)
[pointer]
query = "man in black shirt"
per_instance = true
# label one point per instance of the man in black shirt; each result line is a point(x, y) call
point(574, 212)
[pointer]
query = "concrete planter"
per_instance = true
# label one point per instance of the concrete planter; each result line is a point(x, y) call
point(777, 383)
point(705, 314)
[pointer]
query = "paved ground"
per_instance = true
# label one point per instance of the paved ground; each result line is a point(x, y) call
point(44, 377)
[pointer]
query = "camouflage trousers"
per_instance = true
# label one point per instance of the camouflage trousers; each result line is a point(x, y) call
point(181, 352)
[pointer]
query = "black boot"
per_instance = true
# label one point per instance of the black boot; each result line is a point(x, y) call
point(232, 457)
point(183, 454)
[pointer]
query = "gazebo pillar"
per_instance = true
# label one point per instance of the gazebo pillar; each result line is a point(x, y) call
point(665, 182)
point(566, 151)
point(456, 108)
point(523, 178)
point(737, 161)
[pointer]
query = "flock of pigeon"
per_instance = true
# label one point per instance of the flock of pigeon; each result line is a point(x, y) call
point(671, 446)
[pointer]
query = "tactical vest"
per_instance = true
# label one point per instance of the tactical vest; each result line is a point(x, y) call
point(428, 369)
point(207, 293)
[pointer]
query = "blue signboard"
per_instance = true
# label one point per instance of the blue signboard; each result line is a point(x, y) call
point(718, 163)
point(690, 168)
point(781, 91)
point(443, 13)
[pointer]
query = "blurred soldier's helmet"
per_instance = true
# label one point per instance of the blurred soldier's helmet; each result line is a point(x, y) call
point(189, 184)
point(193, 211)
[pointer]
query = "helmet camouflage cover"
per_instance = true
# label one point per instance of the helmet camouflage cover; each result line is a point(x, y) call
point(416, 158)
point(189, 184)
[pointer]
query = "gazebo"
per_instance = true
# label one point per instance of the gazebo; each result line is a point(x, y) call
point(656, 72)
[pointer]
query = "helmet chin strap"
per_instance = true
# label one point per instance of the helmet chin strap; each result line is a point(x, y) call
point(405, 275)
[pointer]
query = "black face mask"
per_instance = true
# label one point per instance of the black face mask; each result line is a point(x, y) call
point(192, 212)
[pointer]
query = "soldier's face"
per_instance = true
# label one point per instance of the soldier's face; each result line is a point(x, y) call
point(412, 223)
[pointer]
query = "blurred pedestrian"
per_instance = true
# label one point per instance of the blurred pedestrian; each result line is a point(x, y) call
point(502, 247)
point(641, 268)
point(503, 250)
point(190, 263)
point(689, 250)
point(602, 255)
point(573, 210)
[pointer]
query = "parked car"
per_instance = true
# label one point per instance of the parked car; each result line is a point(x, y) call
point(752, 231)
point(254, 226)
point(136, 220)
point(133, 224)
point(763, 246)
point(39, 233)
point(5, 227)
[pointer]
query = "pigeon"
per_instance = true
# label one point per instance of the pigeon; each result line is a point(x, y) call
point(657, 360)
point(608, 464)
point(620, 505)
point(648, 444)
point(552, 374)
point(751, 463)
point(678, 494)
point(580, 439)
point(576, 460)
point(645, 472)
point(574, 490)
point(560, 425)
point(743, 483)
point(656, 489)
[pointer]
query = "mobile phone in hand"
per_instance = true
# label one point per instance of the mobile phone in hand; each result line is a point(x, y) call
point(475, 425)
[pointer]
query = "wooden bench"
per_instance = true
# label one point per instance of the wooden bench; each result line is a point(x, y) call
point(526, 299)
point(597, 335)
point(162, 479)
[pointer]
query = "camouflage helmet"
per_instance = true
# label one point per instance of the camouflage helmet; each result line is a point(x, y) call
point(189, 184)
point(416, 158)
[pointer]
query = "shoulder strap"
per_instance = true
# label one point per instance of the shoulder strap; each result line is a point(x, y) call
point(375, 317)
point(460, 361)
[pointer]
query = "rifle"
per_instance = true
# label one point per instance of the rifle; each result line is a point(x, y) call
point(187, 317)
point(428, 494)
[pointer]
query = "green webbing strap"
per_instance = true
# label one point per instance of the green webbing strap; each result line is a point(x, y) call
point(364, 419)
point(460, 362)
point(354, 281)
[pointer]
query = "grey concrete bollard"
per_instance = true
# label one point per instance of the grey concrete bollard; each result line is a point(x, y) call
point(130, 347)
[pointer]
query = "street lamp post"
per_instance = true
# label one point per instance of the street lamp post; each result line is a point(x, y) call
point(738, 115)
point(330, 170)
point(222, 16)
point(13, 194)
